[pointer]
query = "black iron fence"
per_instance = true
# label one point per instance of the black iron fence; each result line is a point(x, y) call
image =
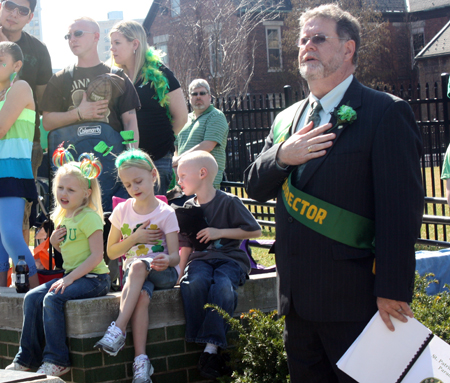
point(250, 119)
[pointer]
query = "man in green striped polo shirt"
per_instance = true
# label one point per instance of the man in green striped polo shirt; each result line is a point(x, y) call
point(206, 128)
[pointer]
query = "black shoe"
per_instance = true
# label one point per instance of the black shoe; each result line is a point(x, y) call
point(212, 366)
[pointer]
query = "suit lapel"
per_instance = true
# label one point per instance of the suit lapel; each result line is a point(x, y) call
point(352, 97)
point(298, 115)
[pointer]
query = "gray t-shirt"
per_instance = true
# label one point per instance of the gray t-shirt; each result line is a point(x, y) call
point(224, 211)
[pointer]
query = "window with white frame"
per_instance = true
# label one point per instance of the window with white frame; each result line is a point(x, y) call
point(273, 45)
point(175, 8)
point(161, 43)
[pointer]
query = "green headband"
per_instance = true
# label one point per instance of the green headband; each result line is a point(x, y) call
point(131, 154)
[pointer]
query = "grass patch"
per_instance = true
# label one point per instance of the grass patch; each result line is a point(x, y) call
point(262, 256)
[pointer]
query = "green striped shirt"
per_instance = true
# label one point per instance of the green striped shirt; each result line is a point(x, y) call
point(211, 125)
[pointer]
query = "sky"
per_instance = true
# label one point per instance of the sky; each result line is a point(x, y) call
point(58, 14)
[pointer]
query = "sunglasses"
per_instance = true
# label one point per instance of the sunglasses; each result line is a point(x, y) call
point(76, 34)
point(10, 6)
point(316, 40)
point(195, 94)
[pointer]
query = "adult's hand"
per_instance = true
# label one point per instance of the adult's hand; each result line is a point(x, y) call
point(305, 145)
point(397, 309)
point(92, 110)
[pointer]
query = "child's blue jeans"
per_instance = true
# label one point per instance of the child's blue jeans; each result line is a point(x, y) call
point(44, 321)
point(212, 281)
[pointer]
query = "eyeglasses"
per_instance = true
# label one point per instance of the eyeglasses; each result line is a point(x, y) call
point(10, 6)
point(76, 34)
point(316, 40)
point(195, 94)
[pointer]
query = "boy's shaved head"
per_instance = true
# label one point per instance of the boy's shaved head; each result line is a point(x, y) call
point(201, 159)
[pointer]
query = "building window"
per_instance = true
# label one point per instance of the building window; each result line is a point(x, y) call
point(165, 56)
point(273, 42)
point(216, 52)
point(418, 42)
point(175, 7)
point(161, 43)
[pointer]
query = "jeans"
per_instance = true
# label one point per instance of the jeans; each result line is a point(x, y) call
point(212, 281)
point(44, 324)
point(156, 280)
point(164, 166)
point(12, 243)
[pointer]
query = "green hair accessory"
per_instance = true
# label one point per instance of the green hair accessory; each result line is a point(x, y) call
point(103, 149)
point(128, 136)
point(131, 154)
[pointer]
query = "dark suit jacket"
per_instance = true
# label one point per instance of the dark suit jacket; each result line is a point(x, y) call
point(373, 170)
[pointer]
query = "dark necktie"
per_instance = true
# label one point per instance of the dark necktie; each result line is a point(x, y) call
point(316, 107)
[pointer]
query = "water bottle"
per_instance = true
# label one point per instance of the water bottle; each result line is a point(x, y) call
point(22, 274)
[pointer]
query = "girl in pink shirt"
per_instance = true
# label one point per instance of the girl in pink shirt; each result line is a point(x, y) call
point(145, 229)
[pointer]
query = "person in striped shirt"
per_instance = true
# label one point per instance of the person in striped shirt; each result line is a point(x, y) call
point(206, 129)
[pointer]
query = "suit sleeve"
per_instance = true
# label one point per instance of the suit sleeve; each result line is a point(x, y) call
point(264, 177)
point(399, 199)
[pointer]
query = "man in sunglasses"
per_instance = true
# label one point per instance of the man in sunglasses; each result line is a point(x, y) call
point(65, 101)
point(206, 129)
point(36, 70)
point(344, 167)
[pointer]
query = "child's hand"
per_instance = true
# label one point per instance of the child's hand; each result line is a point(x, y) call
point(208, 234)
point(61, 284)
point(147, 236)
point(57, 236)
point(160, 262)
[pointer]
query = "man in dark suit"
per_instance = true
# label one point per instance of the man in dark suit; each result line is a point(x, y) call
point(358, 169)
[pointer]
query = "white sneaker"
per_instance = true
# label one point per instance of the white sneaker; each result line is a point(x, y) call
point(16, 367)
point(52, 369)
point(142, 369)
point(113, 340)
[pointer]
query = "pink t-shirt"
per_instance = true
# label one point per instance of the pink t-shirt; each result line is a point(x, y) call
point(128, 221)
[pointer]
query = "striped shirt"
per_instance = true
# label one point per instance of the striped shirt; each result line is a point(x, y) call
point(211, 125)
point(16, 176)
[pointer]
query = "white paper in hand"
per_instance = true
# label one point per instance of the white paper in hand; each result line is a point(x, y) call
point(379, 355)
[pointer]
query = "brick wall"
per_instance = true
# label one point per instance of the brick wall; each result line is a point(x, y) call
point(174, 360)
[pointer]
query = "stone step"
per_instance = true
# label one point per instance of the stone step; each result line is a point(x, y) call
point(7, 376)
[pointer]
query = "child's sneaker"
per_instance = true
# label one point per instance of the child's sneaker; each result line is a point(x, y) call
point(113, 340)
point(16, 367)
point(52, 369)
point(142, 369)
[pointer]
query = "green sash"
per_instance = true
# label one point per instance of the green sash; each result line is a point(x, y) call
point(283, 123)
point(331, 221)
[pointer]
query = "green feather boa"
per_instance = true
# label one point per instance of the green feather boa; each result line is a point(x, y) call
point(150, 72)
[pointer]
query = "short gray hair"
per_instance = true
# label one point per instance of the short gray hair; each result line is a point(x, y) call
point(347, 26)
point(197, 83)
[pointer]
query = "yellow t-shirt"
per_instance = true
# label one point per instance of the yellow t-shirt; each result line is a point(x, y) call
point(75, 246)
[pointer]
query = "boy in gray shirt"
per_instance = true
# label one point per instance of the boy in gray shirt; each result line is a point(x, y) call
point(212, 275)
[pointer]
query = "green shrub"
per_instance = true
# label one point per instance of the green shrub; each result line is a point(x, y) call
point(258, 354)
point(432, 311)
